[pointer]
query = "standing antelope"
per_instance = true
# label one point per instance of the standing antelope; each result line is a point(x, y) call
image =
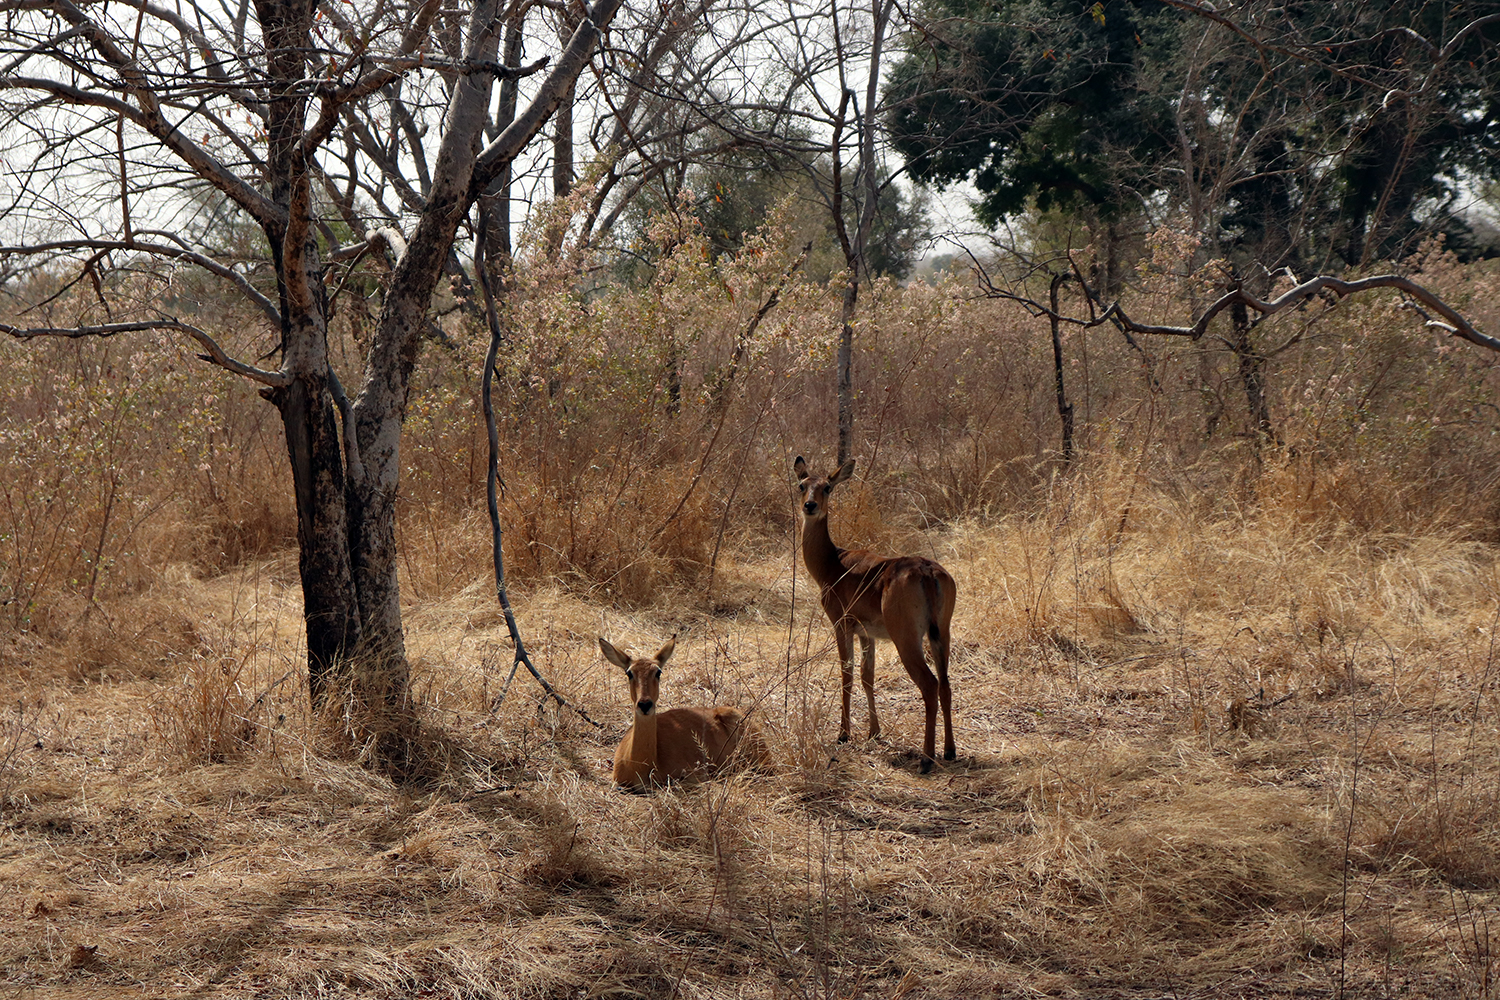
point(902, 598)
point(678, 743)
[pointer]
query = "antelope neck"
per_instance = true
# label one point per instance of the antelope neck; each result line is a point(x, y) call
point(819, 551)
point(643, 740)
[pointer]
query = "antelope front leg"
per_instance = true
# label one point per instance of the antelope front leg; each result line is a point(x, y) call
point(844, 637)
point(867, 678)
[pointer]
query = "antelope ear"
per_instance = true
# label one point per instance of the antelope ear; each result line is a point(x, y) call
point(845, 471)
point(613, 655)
point(665, 653)
point(800, 468)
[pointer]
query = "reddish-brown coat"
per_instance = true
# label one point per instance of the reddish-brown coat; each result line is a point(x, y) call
point(903, 598)
point(681, 742)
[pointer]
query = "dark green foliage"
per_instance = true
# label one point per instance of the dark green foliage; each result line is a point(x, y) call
point(736, 195)
point(1309, 135)
point(1036, 100)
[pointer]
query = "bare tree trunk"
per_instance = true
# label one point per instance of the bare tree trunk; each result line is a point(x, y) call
point(562, 148)
point(673, 372)
point(461, 175)
point(498, 218)
point(380, 410)
point(562, 137)
point(852, 264)
point(330, 606)
point(1213, 404)
point(1252, 374)
point(1112, 257)
point(846, 366)
point(308, 410)
point(1064, 408)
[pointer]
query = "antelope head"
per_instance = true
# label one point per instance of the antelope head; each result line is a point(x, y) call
point(644, 674)
point(815, 489)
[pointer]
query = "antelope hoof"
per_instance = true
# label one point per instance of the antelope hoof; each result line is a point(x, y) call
point(926, 765)
point(843, 737)
point(950, 754)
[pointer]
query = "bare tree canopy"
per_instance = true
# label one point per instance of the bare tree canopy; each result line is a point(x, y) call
point(277, 148)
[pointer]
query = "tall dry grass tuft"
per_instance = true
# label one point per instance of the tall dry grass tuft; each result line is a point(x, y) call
point(226, 687)
point(243, 522)
point(18, 736)
point(205, 718)
point(1450, 832)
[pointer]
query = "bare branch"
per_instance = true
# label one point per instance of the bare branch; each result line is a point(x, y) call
point(216, 354)
point(146, 112)
point(266, 306)
point(1454, 322)
point(518, 133)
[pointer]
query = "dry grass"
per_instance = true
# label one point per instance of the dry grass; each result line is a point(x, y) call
point(175, 824)
point(1228, 726)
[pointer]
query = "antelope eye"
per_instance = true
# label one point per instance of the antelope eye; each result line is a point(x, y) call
point(658, 673)
point(630, 673)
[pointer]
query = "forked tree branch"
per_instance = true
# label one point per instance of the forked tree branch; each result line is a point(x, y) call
point(570, 62)
point(492, 487)
point(1451, 321)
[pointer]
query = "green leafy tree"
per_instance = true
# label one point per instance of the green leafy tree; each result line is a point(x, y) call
point(1036, 102)
point(1308, 135)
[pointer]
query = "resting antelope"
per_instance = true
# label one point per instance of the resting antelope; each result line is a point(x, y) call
point(680, 742)
point(903, 599)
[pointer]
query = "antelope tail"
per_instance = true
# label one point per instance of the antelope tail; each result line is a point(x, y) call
point(934, 596)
